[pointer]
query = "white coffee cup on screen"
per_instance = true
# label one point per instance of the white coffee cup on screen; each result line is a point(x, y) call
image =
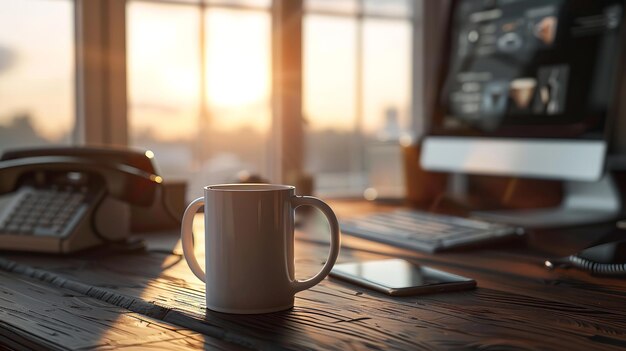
point(249, 239)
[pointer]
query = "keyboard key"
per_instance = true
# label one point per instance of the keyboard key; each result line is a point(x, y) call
point(12, 228)
point(425, 231)
point(44, 231)
point(25, 229)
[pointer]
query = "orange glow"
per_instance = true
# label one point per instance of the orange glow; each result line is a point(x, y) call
point(37, 66)
point(182, 82)
point(237, 68)
point(164, 69)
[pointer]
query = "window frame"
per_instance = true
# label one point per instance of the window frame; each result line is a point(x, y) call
point(101, 102)
point(417, 103)
point(101, 75)
point(74, 133)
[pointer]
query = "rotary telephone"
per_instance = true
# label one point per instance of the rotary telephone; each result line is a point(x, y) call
point(61, 200)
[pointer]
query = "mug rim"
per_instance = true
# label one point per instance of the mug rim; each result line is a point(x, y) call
point(247, 187)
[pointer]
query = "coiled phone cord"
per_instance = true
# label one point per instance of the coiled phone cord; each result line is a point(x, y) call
point(610, 269)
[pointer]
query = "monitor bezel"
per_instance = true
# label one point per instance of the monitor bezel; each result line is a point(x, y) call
point(437, 147)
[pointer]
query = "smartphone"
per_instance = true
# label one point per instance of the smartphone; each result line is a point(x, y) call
point(397, 277)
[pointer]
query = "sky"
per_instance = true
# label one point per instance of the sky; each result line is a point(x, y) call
point(164, 68)
point(39, 78)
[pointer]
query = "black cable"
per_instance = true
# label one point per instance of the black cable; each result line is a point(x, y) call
point(94, 227)
point(179, 257)
point(165, 252)
point(177, 219)
point(597, 267)
point(166, 207)
point(609, 269)
point(124, 243)
point(120, 245)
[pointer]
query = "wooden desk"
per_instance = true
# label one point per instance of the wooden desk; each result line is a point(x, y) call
point(105, 300)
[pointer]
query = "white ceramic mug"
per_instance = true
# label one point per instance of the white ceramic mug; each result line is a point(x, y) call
point(250, 246)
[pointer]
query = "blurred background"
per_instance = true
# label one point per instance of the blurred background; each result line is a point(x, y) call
point(286, 89)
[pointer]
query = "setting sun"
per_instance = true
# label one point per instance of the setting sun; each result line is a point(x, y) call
point(165, 69)
point(182, 82)
point(238, 69)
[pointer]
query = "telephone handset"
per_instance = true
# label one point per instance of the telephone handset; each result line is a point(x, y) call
point(67, 199)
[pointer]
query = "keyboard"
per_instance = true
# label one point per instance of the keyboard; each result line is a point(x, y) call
point(43, 212)
point(427, 232)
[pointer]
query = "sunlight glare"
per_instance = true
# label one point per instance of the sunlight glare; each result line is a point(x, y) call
point(182, 82)
point(238, 62)
point(163, 66)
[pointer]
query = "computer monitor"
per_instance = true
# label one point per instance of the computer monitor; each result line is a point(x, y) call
point(527, 88)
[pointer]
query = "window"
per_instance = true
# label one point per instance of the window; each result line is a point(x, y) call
point(163, 65)
point(199, 82)
point(357, 62)
point(37, 72)
point(199, 87)
point(330, 101)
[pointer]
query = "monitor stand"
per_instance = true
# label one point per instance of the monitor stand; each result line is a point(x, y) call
point(583, 203)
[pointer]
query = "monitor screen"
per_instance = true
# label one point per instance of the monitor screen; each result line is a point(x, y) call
point(530, 68)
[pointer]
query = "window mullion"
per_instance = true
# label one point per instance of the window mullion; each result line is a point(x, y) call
point(101, 72)
point(288, 135)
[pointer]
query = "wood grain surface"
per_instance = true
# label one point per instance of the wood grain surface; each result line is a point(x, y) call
point(517, 305)
point(42, 316)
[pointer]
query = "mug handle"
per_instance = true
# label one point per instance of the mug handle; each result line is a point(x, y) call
point(186, 236)
point(299, 285)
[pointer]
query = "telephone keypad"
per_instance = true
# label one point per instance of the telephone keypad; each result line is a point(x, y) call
point(44, 212)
